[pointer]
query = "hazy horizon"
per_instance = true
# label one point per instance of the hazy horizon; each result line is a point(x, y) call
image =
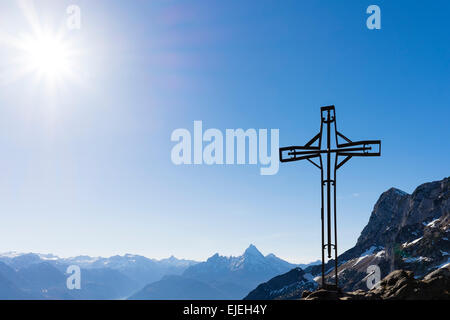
point(14, 253)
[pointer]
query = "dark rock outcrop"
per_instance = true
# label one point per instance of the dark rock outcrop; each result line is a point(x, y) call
point(398, 285)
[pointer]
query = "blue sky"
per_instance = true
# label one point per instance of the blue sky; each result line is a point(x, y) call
point(85, 165)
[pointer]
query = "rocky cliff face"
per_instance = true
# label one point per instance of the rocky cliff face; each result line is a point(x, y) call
point(405, 231)
point(408, 232)
point(408, 225)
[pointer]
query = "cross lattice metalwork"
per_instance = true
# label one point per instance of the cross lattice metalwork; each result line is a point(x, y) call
point(343, 151)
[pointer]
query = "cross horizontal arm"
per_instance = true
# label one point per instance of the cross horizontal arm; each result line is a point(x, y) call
point(369, 148)
point(340, 151)
point(298, 153)
point(292, 155)
point(307, 151)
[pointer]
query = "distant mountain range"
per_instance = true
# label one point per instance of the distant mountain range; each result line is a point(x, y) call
point(43, 276)
point(405, 231)
point(219, 277)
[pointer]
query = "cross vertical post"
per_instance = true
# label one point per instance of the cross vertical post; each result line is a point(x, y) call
point(313, 150)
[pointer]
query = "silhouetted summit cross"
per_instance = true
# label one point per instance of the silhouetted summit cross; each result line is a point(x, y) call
point(313, 150)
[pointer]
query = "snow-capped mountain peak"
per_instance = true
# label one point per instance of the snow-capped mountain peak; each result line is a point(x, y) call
point(252, 251)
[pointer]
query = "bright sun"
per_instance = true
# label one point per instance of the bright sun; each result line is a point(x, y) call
point(46, 55)
point(50, 56)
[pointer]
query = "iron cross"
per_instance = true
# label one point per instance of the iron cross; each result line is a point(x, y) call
point(343, 150)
